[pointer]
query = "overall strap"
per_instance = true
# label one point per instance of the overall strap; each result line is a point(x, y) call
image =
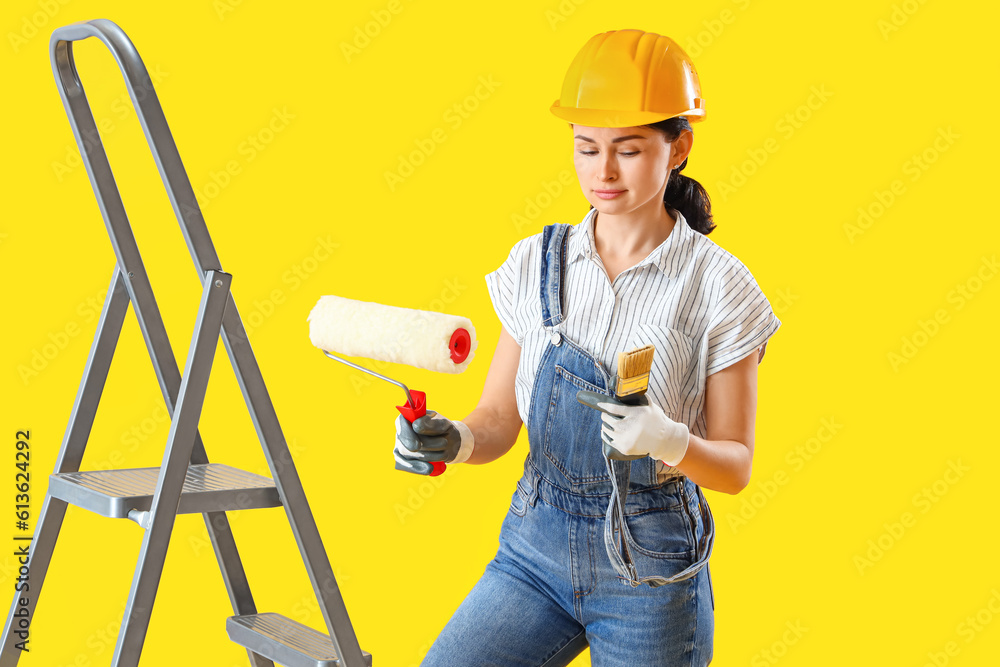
point(553, 260)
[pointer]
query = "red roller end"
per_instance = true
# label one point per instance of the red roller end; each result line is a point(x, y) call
point(460, 345)
point(438, 468)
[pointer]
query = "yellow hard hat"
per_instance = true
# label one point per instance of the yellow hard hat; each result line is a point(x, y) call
point(623, 78)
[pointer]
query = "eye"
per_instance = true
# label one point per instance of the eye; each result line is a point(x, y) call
point(626, 153)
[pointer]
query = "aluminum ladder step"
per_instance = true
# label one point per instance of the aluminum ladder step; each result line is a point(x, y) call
point(208, 487)
point(284, 641)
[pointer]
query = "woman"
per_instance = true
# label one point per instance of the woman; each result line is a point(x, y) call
point(597, 549)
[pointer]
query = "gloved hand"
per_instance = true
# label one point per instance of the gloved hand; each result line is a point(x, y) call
point(430, 438)
point(637, 430)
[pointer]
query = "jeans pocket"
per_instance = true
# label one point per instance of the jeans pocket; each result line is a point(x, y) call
point(519, 501)
point(660, 545)
point(663, 534)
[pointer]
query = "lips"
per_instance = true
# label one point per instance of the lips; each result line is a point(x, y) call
point(608, 194)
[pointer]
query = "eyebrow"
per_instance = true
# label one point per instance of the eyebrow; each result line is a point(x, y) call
point(614, 141)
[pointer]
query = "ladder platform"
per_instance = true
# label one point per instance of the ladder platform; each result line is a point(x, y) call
point(208, 487)
point(284, 641)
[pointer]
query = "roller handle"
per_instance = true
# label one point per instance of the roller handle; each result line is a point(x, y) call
point(414, 409)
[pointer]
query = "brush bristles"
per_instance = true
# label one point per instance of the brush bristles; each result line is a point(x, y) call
point(633, 371)
point(636, 362)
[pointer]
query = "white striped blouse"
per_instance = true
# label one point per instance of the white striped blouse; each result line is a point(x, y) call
point(694, 301)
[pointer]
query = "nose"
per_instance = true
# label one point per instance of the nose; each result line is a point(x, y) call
point(607, 168)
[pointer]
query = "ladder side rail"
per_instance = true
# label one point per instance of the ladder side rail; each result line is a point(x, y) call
point(109, 200)
point(233, 574)
point(126, 250)
point(203, 252)
point(173, 471)
point(70, 455)
point(289, 486)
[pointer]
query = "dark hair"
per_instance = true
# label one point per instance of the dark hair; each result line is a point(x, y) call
point(684, 193)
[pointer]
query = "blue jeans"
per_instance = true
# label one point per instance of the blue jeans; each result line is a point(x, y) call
point(590, 546)
point(551, 580)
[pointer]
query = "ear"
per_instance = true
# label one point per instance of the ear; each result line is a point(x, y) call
point(682, 146)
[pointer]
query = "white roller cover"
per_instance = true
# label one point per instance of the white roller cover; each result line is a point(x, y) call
point(418, 338)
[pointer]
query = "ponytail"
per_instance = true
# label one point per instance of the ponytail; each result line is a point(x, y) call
point(684, 193)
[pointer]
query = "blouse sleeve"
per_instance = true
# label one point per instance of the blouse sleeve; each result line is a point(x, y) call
point(503, 285)
point(742, 322)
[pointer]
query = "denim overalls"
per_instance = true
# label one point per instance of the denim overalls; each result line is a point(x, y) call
point(584, 533)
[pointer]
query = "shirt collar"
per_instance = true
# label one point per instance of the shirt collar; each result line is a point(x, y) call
point(668, 256)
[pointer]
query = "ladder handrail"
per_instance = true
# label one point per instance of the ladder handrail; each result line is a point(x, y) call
point(234, 336)
point(151, 118)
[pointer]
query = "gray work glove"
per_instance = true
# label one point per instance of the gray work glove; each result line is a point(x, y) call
point(430, 439)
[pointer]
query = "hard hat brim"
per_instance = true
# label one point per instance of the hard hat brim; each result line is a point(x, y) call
point(614, 118)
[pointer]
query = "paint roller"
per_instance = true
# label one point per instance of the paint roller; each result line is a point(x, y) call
point(420, 338)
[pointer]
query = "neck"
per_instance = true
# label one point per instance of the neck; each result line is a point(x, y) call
point(631, 234)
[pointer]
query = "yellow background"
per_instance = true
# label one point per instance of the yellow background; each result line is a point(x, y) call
point(838, 98)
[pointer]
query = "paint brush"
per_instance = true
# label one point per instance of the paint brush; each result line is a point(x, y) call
point(632, 378)
point(630, 384)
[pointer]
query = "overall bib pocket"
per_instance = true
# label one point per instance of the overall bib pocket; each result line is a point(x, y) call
point(572, 440)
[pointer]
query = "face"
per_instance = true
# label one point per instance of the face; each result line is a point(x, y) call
point(624, 170)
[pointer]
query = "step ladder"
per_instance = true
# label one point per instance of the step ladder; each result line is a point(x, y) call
point(186, 482)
